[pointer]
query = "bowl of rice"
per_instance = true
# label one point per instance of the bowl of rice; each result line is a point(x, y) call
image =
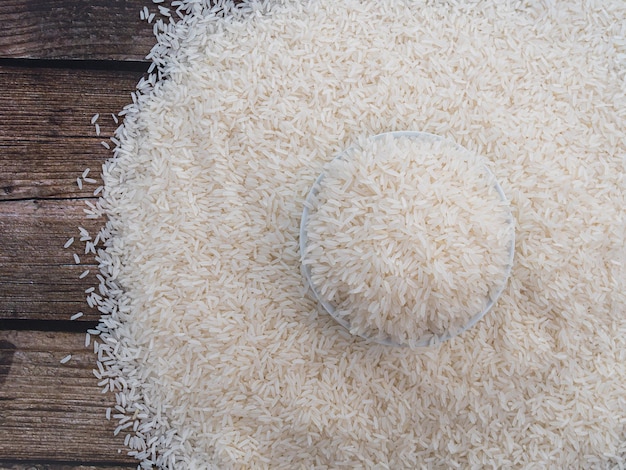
point(406, 239)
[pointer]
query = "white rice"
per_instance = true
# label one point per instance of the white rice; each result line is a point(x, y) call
point(69, 242)
point(84, 234)
point(90, 247)
point(66, 359)
point(164, 11)
point(408, 238)
point(221, 359)
point(76, 316)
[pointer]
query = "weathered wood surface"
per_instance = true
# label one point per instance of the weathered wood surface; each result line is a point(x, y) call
point(46, 137)
point(48, 466)
point(46, 141)
point(39, 279)
point(51, 411)
point(75, 29)
point(52, 415)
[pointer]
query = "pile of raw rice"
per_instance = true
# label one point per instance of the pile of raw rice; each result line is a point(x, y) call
point(216, 358)
point(406, 238)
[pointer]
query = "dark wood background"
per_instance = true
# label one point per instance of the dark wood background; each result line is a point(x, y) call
point(60, 63)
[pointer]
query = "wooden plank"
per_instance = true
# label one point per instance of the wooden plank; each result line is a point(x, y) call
point(12, 465)
point(48, 168)
point(39, 279)
point(49, 409)
point(75, 29)
point(46, 137)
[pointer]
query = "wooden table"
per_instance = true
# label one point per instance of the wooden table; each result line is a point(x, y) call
point(60, 63)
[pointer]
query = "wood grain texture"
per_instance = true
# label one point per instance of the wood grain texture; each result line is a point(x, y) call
point(46, 137)
point(32, 465)
point(77, 29)
point(52, 416)
point(49, 409)
point(39, 279)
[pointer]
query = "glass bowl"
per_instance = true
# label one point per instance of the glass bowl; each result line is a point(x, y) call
point(429, 339)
